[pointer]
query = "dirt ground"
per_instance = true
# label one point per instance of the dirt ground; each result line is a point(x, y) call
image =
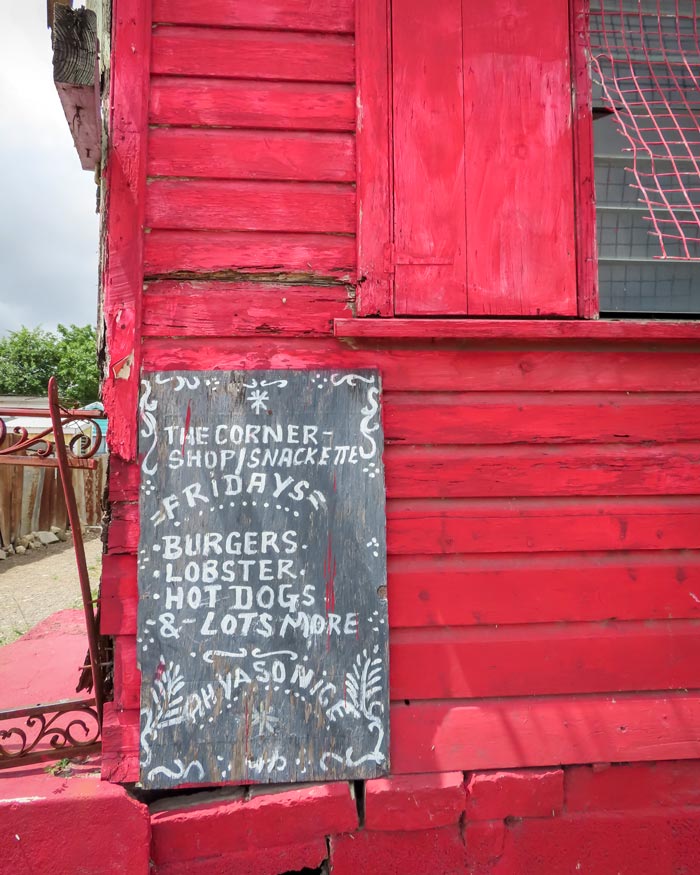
point(42, 582)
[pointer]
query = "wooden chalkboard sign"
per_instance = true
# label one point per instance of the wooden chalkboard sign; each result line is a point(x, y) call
point(262, 621)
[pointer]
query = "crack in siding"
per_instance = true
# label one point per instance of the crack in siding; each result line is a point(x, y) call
point(278, 277)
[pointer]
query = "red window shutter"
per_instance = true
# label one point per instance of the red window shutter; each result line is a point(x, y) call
point(483, 177)
point(429, 253)
point(520, 175)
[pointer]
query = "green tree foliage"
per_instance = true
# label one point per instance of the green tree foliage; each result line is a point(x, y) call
point(29, 356)
point(78, 377)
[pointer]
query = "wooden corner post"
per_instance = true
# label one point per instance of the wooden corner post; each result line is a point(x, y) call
point(126, 191)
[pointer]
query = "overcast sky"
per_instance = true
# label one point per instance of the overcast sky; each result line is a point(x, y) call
point(48, 225)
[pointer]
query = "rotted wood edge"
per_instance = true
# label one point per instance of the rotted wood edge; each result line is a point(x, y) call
point(75, 75)
point(122, 281)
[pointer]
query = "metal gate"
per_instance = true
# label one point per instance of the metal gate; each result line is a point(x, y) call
point(69, 727)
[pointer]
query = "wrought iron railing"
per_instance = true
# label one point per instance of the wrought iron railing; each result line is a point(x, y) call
point(47, 732)
point(70, 727)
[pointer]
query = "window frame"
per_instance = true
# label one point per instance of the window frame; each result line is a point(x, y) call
point(375, 278)
point(375, 293)
point(594, 106)
point(584, 162)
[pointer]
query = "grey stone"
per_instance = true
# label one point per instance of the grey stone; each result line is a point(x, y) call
point(47, 538)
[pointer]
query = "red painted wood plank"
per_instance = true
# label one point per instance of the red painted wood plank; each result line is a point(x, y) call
point(208, 310)
point(123, 244)
point(548, 588)
point(539, 418)
point(250, 206)
point(541, 659)
point(120, 744)
point(512, 733)
point(519, 159)
point(123, 532)
point(120, 768)
point(427, 369)
point(374, 176)
point(118, 595)
point(168, 252)
point(476, 472)
point(476, 590)
point(633, 330)
point(429, 173)
point(253, 54)
point(448, 736)
point(275, 155)
point(510, 526)
point(123, 480)
point(317, 15)
point(584, 178)
point(127, 676)
point(315, 106)
point(458, 663)
point(542, 525)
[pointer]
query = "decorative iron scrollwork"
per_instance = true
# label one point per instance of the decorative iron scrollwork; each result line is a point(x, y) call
point(52, 731)
point(81, 446)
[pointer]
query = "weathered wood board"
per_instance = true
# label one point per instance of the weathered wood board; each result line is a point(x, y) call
point(262, 624)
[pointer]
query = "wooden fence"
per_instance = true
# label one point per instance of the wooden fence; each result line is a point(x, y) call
point(31, 499)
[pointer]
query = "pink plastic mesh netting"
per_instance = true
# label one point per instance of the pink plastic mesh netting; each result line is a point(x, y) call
point(646, 68)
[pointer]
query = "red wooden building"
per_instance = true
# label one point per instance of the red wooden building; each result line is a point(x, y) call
point(416, 186)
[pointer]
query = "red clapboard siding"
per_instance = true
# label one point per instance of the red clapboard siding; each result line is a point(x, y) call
point(464, 472)
point(250, 206)
point(251, 155)
point(251, 54)
point(315, 15)
point(500, 418)
point(486, 589)
point(542, 525)
point(248, 104)
point(204, 309)
point(544, 659)
point(510, 526)
point(479, 662)
point(169, 252)
point(519, 159)
point(429, 370)
point(506, 733)
point(511, 733)
point(429, 181)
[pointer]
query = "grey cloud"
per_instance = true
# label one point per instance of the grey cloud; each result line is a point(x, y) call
point(48, 226)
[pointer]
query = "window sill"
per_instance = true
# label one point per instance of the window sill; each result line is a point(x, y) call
point(520, 329)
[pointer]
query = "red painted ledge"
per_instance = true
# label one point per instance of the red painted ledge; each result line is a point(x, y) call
point(521, 329)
